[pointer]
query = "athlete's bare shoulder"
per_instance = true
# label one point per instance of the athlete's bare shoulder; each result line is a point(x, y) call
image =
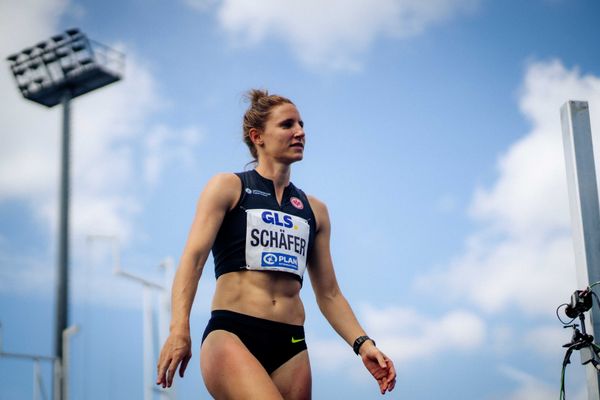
point(315, 202)
point(320, 210)
point(223, 187)
point(225, 179)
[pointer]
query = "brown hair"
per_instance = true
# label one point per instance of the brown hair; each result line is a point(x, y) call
point(261, 104)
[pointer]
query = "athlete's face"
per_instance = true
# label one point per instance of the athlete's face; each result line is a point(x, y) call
point(283, 136)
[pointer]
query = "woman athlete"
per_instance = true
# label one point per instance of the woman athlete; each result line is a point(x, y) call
point(263, 232)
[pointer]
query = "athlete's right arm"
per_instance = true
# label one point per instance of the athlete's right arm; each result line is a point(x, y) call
point(219, 196)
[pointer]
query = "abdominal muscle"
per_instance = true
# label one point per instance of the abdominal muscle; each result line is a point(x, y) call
point(270, 295)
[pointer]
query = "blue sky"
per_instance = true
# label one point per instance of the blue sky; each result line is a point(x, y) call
point(433, 135)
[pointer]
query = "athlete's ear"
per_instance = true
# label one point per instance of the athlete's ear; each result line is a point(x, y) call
point(256, 136)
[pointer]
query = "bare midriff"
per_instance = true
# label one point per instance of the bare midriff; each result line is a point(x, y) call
point(270, 295)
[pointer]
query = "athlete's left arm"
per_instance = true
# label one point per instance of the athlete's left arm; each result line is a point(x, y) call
point(334, 305)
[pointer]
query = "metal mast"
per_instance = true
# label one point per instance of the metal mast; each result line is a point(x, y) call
point(585, 210)
point(55, 71)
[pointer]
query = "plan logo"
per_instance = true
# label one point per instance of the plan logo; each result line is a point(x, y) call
point(270, 259)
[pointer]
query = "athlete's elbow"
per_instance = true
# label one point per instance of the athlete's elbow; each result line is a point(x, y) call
point(193, 262)
point(326, 299)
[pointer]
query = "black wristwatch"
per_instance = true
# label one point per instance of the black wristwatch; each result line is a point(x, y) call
point(359, 342)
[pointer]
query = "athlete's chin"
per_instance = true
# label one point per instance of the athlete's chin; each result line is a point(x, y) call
point(294, 158)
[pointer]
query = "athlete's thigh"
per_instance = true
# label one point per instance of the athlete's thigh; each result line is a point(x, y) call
point(230, 371)
point(293, 379)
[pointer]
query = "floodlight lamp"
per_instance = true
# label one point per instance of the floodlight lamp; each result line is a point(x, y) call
point(67, 63)
point(77, 46)
point(62, 51)
point(49, 57)
point(20, 70)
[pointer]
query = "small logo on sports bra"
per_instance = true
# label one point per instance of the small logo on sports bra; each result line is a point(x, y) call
point(258, 192)
point(296, 202)
point(296, 340)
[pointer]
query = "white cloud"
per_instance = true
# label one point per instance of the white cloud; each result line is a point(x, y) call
point(23, 23)
point(532, 388)
point(548, 340)
point(405, 336)
point(534, 275)
point(166, 146)
point(108, 130)
point(502, 339)
point(106, 126)
point(522, 255)
point(332, 33)
point(108, 139)
point(330, 354)
point(24, 151)
point(545, 340)
point(532, 171)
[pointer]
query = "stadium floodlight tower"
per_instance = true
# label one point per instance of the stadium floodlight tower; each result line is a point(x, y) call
point(53, 72)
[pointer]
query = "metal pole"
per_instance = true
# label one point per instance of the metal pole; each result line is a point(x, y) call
point(36, 381)
point(164, 316)
point(66, 336)
point(63, 245)
point(57, 380)
point(585, 209)
point(164, 309)
point(147, 315)
point(148, 367)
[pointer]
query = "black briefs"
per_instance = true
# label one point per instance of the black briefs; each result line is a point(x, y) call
point(271, 342)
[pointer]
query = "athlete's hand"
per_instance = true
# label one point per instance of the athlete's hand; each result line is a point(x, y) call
point(176, 350)
point(379, 365)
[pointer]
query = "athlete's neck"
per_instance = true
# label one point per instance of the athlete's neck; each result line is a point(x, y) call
point(278, 173)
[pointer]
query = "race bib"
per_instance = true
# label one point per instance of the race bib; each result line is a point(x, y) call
point(276, 241)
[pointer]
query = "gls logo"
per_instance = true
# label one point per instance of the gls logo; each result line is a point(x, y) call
point(274, 218)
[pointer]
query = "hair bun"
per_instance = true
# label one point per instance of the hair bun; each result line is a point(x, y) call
point(255, 95)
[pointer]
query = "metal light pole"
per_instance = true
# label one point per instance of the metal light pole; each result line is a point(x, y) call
point(55, 71)
point(38, 384)
point(164, 312)
point(585, 211)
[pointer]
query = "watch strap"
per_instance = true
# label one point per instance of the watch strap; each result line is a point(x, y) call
point(360, 341)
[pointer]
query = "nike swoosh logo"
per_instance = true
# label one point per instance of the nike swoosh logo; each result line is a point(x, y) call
point(296, 340)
